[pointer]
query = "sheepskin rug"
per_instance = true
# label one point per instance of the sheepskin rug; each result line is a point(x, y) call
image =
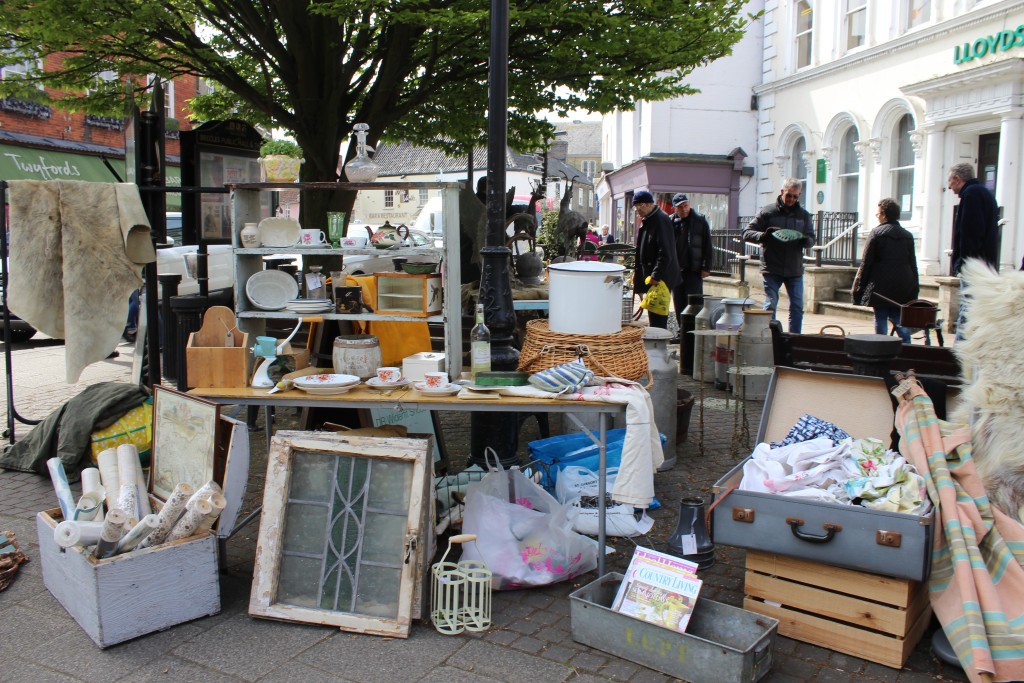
point(992, 358)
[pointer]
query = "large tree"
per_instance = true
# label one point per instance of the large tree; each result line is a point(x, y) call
point(412, 69)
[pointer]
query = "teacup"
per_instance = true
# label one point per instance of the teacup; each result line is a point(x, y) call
point(355, 242)
point(435, 380)
point(311, 237)
point(389, 375)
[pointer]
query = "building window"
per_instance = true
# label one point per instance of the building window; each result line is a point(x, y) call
point(856, 23)
point(168, 87)
point(389, 199)
point(424, 196)
point(902, 166)
point(589, 168)
point(798, 165)
point(849, 172)
point(918, 12)
point(204, 87)
point(590, 198)
point(22, 70)
point(804, 33)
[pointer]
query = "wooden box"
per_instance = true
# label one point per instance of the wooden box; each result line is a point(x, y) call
point(873, 617)
point(408, 294)
point(130, 595)
point(213, 364)
point(890, 543)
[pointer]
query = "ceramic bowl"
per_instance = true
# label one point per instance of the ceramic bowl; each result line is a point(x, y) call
point(419, 268)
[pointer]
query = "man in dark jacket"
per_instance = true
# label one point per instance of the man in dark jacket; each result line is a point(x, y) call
point(975, 229)
point(693, 249)
point(782, 256)
point(655, 251)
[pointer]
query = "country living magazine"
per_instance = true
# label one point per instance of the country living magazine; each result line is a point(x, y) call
point(658, 588)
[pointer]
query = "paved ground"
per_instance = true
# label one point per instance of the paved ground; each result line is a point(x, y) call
point(530, 641)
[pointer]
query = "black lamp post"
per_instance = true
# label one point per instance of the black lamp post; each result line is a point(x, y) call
point(500, 431)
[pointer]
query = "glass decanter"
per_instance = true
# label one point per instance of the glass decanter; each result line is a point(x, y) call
point(361, 169)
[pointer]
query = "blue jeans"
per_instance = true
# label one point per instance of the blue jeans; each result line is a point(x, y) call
point(883, 314)
point(795, 290)
point(961, 318)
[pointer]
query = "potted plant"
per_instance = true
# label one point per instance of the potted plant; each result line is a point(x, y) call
point(280, 161)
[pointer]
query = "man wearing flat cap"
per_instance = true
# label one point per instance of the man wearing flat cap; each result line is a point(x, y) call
point(655, 252)
point(693, 249)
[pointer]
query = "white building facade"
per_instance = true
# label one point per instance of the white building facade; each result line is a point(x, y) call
point(702, 145)
point(868, 99)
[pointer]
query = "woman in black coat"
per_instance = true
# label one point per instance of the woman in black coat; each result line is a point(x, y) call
point(888, 269)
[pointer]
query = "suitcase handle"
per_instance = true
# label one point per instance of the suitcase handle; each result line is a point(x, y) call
point(830, 531)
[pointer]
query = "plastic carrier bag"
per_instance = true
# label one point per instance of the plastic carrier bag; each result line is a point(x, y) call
point(578, 487)
point(523, 534)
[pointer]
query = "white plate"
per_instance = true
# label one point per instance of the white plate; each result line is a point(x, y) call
point(279, 232)
point(375, 383)
point(327, 391)
point(270, 290)
point(446, 390)
point(326, 380)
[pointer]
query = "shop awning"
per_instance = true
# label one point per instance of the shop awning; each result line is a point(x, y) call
point(27, 163)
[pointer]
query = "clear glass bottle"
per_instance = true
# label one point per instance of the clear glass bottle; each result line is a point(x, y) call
point(361, 169)
point(480, 345)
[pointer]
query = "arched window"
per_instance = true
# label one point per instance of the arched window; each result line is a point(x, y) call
point(798, 166)
point(849, 171)
point(902, 165)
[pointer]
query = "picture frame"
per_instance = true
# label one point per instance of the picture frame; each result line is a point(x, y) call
point(185, 440)
point(373, 493)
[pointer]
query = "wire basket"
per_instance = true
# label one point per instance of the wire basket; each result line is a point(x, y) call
point(460, 598)
point(621, 354)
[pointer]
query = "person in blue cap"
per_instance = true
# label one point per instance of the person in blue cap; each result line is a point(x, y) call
point(655, 252)
point(693, 249)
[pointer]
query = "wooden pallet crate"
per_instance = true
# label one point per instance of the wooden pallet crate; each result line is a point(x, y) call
point(878, 618)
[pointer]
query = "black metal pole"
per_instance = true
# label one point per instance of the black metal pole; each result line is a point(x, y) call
point(499, 431)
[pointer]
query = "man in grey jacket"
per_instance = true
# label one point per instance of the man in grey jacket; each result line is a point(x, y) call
point(783, 229)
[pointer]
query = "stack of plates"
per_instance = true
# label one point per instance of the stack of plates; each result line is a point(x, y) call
point(310, 305)
point(444, 390)
point(326, 384)
point(375, 383)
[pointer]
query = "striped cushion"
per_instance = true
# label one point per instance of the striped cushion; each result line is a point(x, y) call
point(562, 378)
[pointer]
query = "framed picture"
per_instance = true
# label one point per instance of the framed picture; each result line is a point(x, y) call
point(343, 532)
point(184, 440)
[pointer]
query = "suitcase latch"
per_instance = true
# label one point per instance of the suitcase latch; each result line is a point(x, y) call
point(893, 539)
point(745, 515)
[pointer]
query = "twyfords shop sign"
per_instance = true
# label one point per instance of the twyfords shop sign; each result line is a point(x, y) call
point(989, 45)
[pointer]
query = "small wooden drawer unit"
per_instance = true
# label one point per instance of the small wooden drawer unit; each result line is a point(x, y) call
point(408, 294)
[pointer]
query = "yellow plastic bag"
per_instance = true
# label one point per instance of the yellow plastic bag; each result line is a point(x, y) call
point(657, 298)
point(134, 427)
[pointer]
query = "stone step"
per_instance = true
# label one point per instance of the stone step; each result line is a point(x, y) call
point(846, 310)
point(929, 294)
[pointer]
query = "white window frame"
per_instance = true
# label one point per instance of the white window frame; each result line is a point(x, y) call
point(926, 7)
point(389, 199)
point(845, 176)
point(589, 168)
point(896, 145)
point(854, 10)
point(796, 161)
point(23, 68)
point(799, 36)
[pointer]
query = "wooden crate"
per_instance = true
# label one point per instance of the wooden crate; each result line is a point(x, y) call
point(130, 595)
point(878, 618)
point(212, 364)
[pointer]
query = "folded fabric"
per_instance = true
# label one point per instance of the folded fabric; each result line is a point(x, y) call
point(809, 427)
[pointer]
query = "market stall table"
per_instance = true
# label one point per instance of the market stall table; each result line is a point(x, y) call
point(400, 399)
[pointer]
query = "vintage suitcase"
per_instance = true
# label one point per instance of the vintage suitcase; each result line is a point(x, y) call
point(887, 543)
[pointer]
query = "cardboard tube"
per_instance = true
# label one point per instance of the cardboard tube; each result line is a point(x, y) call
point(169, 514)
point(113, 530)
point(68, 534)
point(130, 469)
point(61, 488)
point(188, 525)
point(89, 508)
point(107, 461)
point(91, 484)
point(140, 531)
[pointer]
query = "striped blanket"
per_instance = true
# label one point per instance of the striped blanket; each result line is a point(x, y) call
point(977, 581)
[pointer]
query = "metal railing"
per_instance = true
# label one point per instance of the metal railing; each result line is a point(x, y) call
point(835, 234)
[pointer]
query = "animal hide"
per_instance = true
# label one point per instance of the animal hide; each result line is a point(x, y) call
point(993, 365)
point(76, 255)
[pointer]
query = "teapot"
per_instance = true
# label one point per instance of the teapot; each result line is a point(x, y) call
point(388, 236)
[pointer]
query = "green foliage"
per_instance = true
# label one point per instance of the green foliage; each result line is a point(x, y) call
point(283, 147)
point(548, 236)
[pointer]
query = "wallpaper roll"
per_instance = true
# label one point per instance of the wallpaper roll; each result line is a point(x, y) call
point(169, 514)
point(204, 491)
point(138, 533)
point(91, 481)
point(128, 501)
point(107, 461)
point(130, 469)
point(89, 508)
point(68, 534)
point(113, 530)
point(61, 488)
point(190, 521)
point(218, 503)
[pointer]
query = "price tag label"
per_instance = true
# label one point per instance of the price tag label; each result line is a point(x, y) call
point(690, 544)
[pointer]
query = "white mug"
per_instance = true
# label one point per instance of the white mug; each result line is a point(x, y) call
point(311, 237)
point(354, 242)
point(389, 375)
point(436, 380)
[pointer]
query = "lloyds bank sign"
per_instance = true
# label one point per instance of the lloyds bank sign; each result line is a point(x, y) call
point(989, 45)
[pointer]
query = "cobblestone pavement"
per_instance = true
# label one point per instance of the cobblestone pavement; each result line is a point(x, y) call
point(530, 641)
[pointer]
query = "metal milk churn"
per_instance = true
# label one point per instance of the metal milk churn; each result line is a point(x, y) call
point(704, 347)
point(665, 373)
point(357, 354)
point(754, 351)
point(687, 322)
point(725, 346)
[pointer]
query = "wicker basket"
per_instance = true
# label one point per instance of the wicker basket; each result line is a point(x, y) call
point(10, 561)
point(621, 354)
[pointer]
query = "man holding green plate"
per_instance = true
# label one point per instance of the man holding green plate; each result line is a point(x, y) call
point(784, 230)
